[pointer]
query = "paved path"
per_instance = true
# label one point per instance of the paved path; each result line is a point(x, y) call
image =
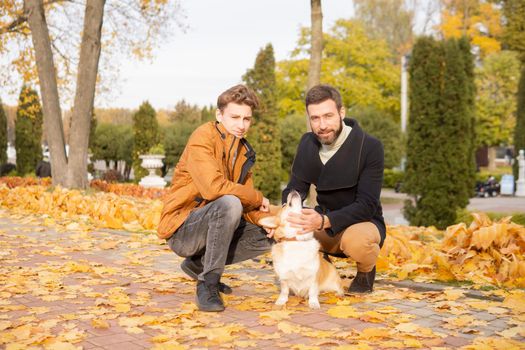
point(116, 290)
point(393, 205)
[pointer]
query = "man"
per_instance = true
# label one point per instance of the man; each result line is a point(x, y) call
point(210, 210)
point(346, 166)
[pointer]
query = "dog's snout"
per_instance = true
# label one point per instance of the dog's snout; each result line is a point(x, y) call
point(294, 199)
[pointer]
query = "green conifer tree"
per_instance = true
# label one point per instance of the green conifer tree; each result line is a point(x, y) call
point(28, 131)
point(146, 135)
point(440, 148)
point(514, 38)
point(3, 135)
point(265, 134)
point(519, 131)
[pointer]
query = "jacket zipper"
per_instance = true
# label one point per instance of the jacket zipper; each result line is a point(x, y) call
point(230, 174)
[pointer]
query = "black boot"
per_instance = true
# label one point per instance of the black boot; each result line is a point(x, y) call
point(208, 296)
point(192, 266)
point(363, 282)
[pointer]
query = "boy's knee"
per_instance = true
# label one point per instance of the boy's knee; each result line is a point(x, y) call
point(230, 204)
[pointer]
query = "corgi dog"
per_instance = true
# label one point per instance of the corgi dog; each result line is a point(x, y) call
point(297, 260)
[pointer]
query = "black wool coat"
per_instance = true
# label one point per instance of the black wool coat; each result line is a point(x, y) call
point(348, 185)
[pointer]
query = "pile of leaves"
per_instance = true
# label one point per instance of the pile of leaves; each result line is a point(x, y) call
point(127, 189)
point(486, 252)
point(81, 210)
point(496, 247)
point(17, 181)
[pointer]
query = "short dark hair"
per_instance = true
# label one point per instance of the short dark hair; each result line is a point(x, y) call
point(240, 94)
point(321, 93)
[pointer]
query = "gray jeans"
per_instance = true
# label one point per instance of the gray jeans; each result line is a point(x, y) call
point(219, 235)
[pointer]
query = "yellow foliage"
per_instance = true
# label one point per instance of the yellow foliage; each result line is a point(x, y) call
point(483, 27)
point(485, 252)
point(104, 210)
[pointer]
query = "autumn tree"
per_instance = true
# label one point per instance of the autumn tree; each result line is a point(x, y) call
point(440, 151)
point(390, 20)
point(187, 112)
point(35, 15)
point(28, 131)
point(479, 20)
point(496, 82)
point(150, 20)
point(361, 67)
point(145, 136)
point(3, 135)
point(264, 135)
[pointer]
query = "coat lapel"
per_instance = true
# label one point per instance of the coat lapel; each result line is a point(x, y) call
point(341, 171)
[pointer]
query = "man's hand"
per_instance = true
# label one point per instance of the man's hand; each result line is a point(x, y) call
point(309, 220)
point(265, 206)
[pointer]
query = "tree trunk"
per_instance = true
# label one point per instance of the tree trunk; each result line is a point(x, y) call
point(492, 159)
point(85, 94)
point(314, 69)
point(316, 45)
point(53, 128)
point(316, 48)
point(72, 173)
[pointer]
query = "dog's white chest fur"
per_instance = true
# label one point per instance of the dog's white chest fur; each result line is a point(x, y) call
point(297, 263)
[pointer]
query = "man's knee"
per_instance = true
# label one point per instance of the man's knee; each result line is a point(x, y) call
point(229, 205)
point(359, 239)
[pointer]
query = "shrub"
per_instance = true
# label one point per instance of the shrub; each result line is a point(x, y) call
point(28, 131)
point(146, 135)
point(380, 125)
point(112, 175)
point(440, 150)
point(391, 178)
point(292, 127)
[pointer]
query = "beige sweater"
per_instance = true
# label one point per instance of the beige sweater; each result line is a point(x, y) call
point(327, 151)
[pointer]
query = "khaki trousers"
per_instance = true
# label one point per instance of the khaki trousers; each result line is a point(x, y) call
point(359, 242)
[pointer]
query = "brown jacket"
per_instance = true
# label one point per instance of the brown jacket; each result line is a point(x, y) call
point(214, 163)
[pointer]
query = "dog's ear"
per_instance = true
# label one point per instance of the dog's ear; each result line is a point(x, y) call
point(269, 221)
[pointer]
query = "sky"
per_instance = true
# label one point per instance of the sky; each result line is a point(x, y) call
point(220, 44)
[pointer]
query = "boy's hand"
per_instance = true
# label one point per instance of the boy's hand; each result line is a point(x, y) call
point(269, 232)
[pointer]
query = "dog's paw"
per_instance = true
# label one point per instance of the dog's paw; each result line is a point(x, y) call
point(314, 304)
point(281, 301)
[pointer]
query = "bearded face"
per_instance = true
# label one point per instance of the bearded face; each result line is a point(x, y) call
point(326, 121)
